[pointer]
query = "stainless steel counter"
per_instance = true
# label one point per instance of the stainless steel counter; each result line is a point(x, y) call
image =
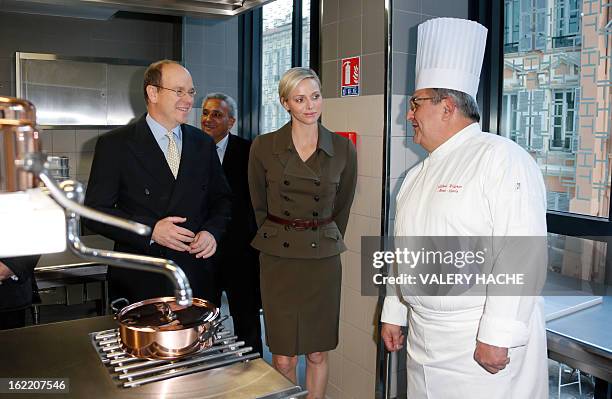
point(64, 350)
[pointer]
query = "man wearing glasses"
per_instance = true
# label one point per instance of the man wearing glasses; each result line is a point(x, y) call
point(165, 174)
point(472, 184)
point(236, 261)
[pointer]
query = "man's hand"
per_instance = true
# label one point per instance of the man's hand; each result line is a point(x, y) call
point(393, 337)
point(167, 234)
point(491, 358)
point(204, 245)
point(5, 272)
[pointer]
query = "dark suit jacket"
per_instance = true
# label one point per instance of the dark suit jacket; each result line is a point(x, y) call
point(18, 294)
point(130, 178)
point(242, 227)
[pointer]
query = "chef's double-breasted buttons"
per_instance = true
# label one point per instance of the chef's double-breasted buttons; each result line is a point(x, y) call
point(315, 214)
point(317, 198)
point(147, 192)
point(317, 182)
point(286, 182)
point(265, 235)
point(286, 244)
point(313, 244)
point(286, 213)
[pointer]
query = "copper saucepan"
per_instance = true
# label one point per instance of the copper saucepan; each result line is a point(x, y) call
point(159, 328)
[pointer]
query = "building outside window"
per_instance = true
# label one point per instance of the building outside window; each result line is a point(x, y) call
point(276, 56)
point(557, 100)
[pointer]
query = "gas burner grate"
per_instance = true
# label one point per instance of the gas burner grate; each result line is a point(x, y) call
point(129, 371)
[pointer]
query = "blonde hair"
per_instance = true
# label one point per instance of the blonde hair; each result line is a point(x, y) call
point(292, 78)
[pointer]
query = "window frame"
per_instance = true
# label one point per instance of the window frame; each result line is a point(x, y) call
point(562, 32)
point(490, 14)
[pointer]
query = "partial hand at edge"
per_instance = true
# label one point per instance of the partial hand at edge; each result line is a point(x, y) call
point(5, 272)
point(491, 358)
point(168, 234)
point(392, 336)
point(204, 245)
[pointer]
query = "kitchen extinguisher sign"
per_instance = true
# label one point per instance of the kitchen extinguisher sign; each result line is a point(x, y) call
point(351, 73)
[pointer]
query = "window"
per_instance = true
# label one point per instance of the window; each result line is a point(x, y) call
point(552, 103)
point(277, 50)
point(276, 47)
point(509, 127)
point(567, 23)
point(512, 15)
point(305, 33)
point(273, 38)
point(563, 121)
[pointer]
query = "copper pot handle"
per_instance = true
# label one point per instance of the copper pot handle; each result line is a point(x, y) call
point(214, 327)
point(115, 308)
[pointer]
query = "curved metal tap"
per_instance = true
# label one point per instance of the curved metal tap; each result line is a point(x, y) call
point(73, 192)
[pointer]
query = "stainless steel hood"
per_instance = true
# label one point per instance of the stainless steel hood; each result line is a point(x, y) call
point(193, 8)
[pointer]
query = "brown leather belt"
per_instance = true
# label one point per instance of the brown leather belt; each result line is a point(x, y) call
point(300, 224)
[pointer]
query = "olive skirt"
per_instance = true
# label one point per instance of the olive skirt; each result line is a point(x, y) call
point(301, 303)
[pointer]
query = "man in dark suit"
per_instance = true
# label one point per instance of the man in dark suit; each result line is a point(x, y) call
point(16, 289)
point(236, 260)
point(165, 174)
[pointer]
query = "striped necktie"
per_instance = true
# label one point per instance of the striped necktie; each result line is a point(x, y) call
point(172, 155)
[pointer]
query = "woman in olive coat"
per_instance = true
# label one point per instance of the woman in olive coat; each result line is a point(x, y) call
point(302, 181)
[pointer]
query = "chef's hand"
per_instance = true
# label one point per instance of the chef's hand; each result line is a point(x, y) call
point(167, 234)
point(393, 337)
point(204, 245)
point(5, 272)
point(491, 358)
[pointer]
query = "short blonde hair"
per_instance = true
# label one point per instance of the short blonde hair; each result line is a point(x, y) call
point(292, 78)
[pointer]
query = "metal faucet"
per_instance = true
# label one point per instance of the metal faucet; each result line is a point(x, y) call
point(70, 195)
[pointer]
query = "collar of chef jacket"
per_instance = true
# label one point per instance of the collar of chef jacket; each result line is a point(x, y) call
point(455, 141)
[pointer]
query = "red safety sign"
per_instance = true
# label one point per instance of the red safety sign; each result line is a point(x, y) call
point(350, 73)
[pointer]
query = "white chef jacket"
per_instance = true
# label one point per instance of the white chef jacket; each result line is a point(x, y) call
point(498, 191)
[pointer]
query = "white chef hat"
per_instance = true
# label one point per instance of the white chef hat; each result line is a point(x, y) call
point(449, 54)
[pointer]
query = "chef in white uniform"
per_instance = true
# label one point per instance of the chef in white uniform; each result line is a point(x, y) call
point(469, 347)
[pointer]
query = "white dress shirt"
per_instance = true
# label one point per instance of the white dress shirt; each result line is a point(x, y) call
point(221, 147)
point(159, 132)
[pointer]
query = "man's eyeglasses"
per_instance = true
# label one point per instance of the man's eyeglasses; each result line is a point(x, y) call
point(414, 102)
point(179, 92)
point(213, 114)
